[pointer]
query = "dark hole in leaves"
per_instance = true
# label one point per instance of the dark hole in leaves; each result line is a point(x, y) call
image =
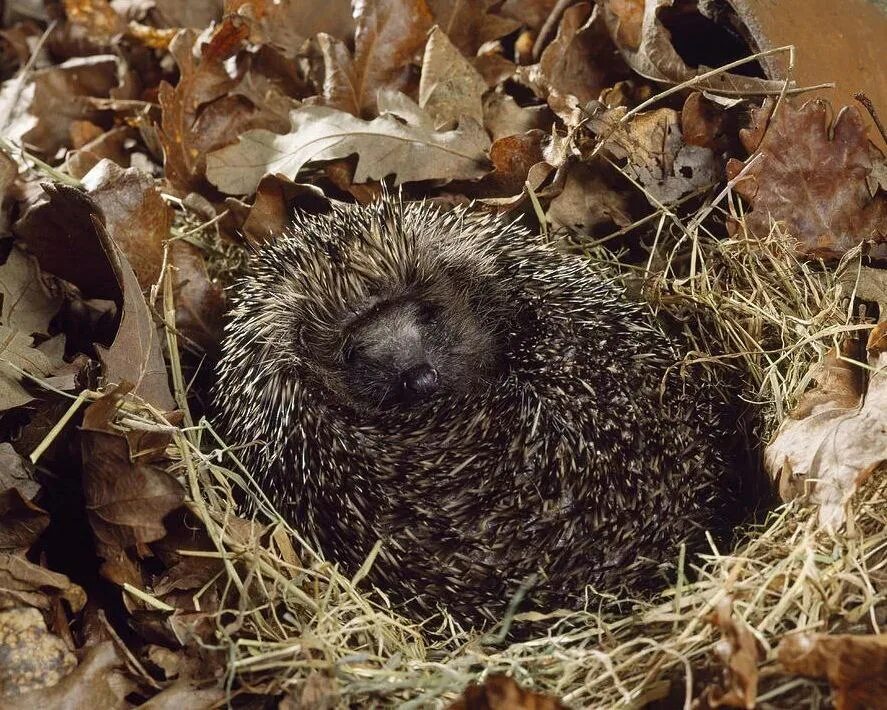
point(710, 42)
point(686, 171)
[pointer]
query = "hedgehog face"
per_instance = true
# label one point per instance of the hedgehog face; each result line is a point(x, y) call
point(400, 351)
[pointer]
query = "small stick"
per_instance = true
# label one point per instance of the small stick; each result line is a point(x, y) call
point(870, 107)
point(551, 22)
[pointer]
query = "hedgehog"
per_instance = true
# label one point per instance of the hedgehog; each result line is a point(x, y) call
point(495, 413)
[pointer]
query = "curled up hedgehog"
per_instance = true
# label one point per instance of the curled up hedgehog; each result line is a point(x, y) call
point(497, 413)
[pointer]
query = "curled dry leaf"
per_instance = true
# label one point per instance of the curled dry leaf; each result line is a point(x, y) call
point(655, 154)
point(127, 491)
point(32, 657)
point(589, 202)
point(68, 222)
point(28, 305)
point(579, 63)
point(22, 583)
point(21, 521)
point(450, 87)
point(471, 24)
point(814, 179)
point(855, 666)
point(203, 112)
point(837, 435)
point(136, 216)
point(738, 652)
point(409, 148)
point(499, 692)
point(389, 37)
point(200, 303)
point(645, 44)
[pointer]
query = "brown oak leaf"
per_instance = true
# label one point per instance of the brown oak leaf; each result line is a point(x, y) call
point(813, 179)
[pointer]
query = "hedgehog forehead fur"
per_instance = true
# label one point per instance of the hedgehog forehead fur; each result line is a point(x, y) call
point(587, 459)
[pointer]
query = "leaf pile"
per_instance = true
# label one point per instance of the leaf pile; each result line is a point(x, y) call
point(147, 146)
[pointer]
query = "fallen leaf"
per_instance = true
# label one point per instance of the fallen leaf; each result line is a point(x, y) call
point(645, 44)
point(471, 24)
point(14, 472)
point(67, 221)
point(32, 657)
point(97, 17)
point(655, 154)
point(855, 666)
point(276, 200)
point(185, 694)
point(136, 216)
point(200, 303)
point(503, 116)
point(288, 23)
point(389, 37)
point(62, 95)
point(127, 492)
point(61, 224)
point(22, 583)
point(835, 436)
point(532, 13)
point(590, 203)
point(21, 521)
point(450, 88)
point(813, 179)
point(202, 112)
point(578, 64)
point(29, 300)
point(499, 692)
point(17, 353)
point(738, 652)
point(409, 150)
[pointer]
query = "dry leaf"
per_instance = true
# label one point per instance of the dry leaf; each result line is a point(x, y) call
point(29, 301)
point(645, 43)
point(32, 657)
point(390, 35)
point(127, 492)
point(836, 435)
point(410, 150)
point(470, 24)
point(813, 179)
point(739, 653)
point(136, 216)
point(590, 204)
point(578, 64)
point(208, 108)
point(450, 88)
point(17, 353)
point(656, 155)
point(286, 24)
point(60, 224)
point(499, 692)
point(21, 521)
point(856, 666)
point(22, 583)
point(200, 303)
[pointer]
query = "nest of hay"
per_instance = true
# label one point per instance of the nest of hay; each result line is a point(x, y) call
point(287, 621)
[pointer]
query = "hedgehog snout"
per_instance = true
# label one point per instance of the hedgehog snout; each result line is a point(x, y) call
point(419, 381)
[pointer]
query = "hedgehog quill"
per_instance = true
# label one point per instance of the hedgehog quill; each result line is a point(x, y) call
point(492, 410)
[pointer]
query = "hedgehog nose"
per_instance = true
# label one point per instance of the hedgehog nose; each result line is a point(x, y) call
point(420, 380)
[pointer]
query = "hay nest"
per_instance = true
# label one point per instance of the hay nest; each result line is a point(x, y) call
point(289, 621)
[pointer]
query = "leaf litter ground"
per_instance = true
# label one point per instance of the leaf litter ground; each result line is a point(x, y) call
point(217, 608)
